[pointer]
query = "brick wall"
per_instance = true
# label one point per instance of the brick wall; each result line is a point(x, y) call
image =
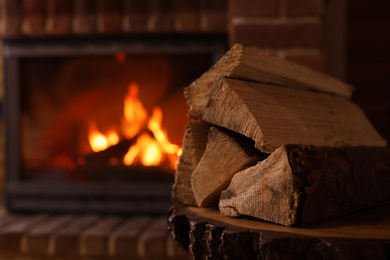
point(75, 17)
point(290, 29)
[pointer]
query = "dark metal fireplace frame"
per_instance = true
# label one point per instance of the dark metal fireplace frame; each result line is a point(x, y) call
point(24, 195)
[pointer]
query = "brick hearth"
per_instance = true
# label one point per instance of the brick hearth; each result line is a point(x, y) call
point(86, 237)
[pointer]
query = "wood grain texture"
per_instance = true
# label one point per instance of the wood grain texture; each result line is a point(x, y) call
point(226, 154)
point(252, 65)
point(207, 234)
point(194, 144)
point(273, 116)
point(301, 185)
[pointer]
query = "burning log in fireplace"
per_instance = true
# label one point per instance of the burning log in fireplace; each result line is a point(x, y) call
point(317, 139)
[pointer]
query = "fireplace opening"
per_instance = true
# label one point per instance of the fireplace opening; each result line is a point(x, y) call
point(88, 118)
point(97, 124)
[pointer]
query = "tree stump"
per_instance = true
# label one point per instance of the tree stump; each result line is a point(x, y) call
point(207, 234)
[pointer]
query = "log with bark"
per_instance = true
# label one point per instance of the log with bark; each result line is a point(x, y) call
point(206, 234)
point(253, 65)
point(300, 185)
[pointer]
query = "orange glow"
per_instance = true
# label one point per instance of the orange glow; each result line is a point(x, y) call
point(154, 125)
point(134, 112)
point(80, 160)
point(120, 57)
point(146, 149)
point(99, 141)
point(151, 147)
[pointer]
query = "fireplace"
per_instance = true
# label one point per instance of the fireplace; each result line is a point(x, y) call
point(79, 111)
point(42, 37)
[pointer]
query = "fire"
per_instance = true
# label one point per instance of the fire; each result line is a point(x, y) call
point(99, 141)
point(147, 149)
point(134, 113)
point(154, 125)
point(151, 147)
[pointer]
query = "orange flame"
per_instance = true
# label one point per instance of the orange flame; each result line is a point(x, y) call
point(134, 112)
point(154, 125)
point(148, 150)
point(99, 141)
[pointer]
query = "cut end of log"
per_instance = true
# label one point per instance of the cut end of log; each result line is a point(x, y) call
point(300, 185)
point(264, 191)
point(226, 154)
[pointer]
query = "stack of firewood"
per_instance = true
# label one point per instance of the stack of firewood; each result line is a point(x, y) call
point(280, 142)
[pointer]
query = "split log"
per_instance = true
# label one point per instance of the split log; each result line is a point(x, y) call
point(194, 144)
point(300, 185)
point(226, 154)
point(252, 65)
point(207, 234)
point(273, 116)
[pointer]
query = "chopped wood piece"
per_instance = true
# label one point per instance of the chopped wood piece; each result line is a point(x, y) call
point(300, 185)
point(226, 154)
point(194, 144)
point(252, 65)
point(207, 234)
point(273, 116)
